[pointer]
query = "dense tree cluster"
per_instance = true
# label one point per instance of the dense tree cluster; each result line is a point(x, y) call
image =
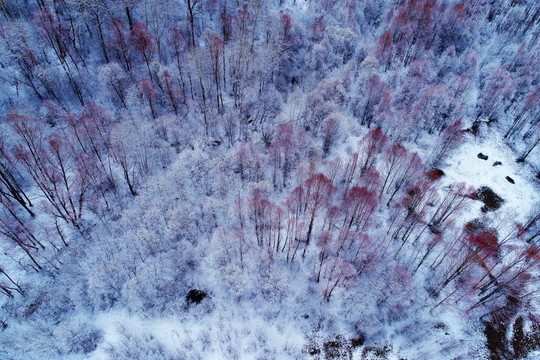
point(147, 145)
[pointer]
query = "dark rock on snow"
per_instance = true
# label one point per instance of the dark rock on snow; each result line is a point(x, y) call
point(195, 296)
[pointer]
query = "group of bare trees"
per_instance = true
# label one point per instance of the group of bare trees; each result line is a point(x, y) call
point(508, 93)
point(383, 204)
point(60, 174)
point(223, 71)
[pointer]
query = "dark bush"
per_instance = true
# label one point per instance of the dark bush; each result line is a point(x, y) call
point(358, 341)
point(195, 296)
point(491, 200)
point(496, 340)
point(523, 343)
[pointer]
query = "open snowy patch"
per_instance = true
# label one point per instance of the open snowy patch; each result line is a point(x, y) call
point(465, 166)
point(217, 335)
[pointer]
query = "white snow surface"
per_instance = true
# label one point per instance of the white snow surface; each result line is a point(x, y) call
point(465, 166)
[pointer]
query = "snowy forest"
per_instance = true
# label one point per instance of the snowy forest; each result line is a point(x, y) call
point(269, 179)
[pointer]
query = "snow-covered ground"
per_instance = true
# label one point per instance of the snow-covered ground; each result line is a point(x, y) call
point(465, 166)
